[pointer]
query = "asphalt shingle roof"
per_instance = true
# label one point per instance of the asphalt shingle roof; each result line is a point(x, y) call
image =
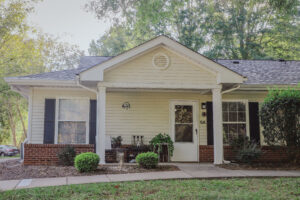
point(257, 71)
point(265, 71)
point(69, 74)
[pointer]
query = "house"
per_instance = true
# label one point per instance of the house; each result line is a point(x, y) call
point(159, 86)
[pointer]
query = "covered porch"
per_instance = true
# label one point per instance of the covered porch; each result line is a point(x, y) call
point(180, 113)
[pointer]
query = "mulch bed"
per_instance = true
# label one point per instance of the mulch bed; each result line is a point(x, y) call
point(262, 166)
point(14, 169)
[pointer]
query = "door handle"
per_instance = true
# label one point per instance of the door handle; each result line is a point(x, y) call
point(196, 131)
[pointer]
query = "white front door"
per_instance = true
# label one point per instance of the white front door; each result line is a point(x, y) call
point(184, 130)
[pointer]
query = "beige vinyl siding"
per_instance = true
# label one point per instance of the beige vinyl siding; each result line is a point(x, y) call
point(148, 114)
point(38, 107)
point(141, 70)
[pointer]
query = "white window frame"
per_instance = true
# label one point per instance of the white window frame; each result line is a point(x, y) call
point(87, 117)
point(246, 102)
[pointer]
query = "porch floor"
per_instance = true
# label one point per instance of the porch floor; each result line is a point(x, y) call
point(187, 171)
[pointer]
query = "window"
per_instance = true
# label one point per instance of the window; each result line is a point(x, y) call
point(72, 121)
point(183, 123)
point(234, 120)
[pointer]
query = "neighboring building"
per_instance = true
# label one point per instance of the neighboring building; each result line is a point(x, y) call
point(160, 86)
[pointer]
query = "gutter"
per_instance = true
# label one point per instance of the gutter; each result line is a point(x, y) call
point(231, 89)
point(77, 79)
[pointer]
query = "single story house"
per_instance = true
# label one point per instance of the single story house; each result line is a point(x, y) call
point(160, 86)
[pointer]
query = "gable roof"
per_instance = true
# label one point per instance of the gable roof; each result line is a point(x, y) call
point(265, 72)
point(224, 74)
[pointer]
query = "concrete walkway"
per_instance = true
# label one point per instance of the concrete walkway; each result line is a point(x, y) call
point(186, 171)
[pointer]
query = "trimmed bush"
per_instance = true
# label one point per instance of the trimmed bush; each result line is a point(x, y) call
point(87, 162)
point(246, 151)
point(280, 117)
point(147, 160)
point(66, 156)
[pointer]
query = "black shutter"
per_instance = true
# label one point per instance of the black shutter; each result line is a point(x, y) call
point(254, 121)
point(210, 126)
point(93, 119)
point(49, 121)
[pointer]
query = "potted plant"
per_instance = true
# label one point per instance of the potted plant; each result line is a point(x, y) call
point(116, 142)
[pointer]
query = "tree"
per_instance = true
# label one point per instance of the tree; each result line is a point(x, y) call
point(24, 51)
point(280, 117)
point(234, 29)
point(115, 41)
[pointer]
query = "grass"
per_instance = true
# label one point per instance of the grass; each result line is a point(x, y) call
point(250, 188)
point(15, 156)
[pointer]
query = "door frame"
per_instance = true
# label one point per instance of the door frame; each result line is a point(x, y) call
point(195, 104)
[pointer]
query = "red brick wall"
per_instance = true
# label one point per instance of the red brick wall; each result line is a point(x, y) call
point(46, 154)
point(269, 154)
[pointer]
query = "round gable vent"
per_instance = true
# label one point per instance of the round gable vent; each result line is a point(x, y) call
point(160, 61)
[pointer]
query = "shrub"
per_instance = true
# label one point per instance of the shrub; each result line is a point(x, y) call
point(66, 156)
point(87, 162)
point(280, 117)
point(246, 151)
point(160, 139)
point(147, 160)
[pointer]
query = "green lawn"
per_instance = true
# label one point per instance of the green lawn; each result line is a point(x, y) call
point(279, 188)
point(15, 156)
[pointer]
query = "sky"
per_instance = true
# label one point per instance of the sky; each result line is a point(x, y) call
point(68, 20)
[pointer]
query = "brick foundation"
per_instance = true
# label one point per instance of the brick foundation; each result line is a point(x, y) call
point(46, 154)
point(269, 154)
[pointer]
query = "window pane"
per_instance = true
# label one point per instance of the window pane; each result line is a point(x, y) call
point(232, 106)
point(225, 106)
point(225, 133)
point(242, 116)
point(73, 109)
point(71, 132)
point(233, 116)
point(225, 116)
point(183, 114)
point(242, 129)
point(241, 106)
point(183, 133)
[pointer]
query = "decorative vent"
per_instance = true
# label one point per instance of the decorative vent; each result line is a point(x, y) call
point(160, 61)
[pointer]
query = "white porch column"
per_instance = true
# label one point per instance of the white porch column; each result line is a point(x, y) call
point(101, 109)
point(217, 123)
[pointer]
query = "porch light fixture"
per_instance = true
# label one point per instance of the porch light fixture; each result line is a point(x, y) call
point(203, 105)
point(126, 105)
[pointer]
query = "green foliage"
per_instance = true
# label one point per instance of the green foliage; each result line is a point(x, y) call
point(233, 29)
point(67, 155)
point(116, 141)
point(86, 162)
point(23, 51)
point(147, 160)
point(159, 139)
point(280, 117)
point(246, 151)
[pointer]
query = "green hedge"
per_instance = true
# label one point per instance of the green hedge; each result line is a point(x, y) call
point(147, 160)
point(87, 162)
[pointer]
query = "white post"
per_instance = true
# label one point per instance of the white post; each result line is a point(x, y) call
point(100, 139)
point(217, 123)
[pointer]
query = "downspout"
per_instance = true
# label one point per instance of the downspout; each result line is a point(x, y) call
point(231, 89)
point(77, 79)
